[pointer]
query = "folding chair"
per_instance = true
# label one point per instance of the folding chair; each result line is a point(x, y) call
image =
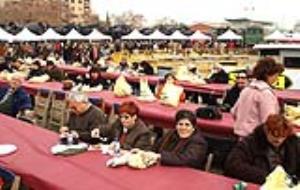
point(58, 112)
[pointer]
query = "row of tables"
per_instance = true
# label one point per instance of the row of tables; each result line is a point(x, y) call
point(41, 170)
point(213, 89)
point(152, 112)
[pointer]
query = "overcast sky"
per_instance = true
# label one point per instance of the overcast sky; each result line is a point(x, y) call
point(284, 12)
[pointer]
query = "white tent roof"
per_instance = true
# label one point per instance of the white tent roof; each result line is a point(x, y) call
point(134, 35)
point(74, 35)
point(50, 34)
point(177, 35)
point(279, 46)
point(5, 36)
point(26, 35)
point(96, 35)
point(157, 35)
point(199, 36)
point(276, 36)
point(229, 35)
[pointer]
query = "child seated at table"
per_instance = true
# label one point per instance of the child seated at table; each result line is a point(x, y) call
point(168, 79)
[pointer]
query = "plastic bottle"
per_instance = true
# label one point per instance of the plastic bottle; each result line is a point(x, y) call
point(116, 148)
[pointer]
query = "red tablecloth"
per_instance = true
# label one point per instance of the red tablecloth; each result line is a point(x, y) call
point(41, 170)
point(162, 115)
point(74, 70)
point(154, 112)
point(290, 95)
point(215, 89)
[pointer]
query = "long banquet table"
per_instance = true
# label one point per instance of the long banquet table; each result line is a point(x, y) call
point(214, 89)
point(42, 170)
point(152, 112)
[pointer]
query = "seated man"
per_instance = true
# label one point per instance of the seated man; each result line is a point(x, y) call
point(84, 119)
point(13, 98)
point(271, 144)
point(233, 94)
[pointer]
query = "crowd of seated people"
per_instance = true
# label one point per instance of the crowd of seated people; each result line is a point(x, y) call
point(264, 140)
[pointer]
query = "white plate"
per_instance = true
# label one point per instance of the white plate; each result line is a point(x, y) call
point(7, 149)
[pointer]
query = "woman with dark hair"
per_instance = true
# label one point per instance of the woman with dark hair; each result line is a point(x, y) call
point(130, 129)
point(36, 70)
point(94, 79)
point(146, 68)
point(258, 100)
point(184, 146)
point(271, 144)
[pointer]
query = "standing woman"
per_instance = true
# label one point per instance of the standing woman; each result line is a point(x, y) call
point(258, 100)
point(184, 146)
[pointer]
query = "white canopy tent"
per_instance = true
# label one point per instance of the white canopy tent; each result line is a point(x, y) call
point(199, 36)
point(276, 36)
point(229, 35)
point(74, 35)
point(134, 35)
point(26, 35)
point(51, 34)
point(5, 36)
point(96, 35)
point(157, 35)
point(177, 35)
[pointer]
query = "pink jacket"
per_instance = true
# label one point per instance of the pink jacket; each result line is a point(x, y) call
point(255, 104)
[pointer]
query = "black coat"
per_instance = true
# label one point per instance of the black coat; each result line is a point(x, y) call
point(94, 83)
point(231, 97)
point(139, 136)
point(176, 151)
point(248, 160)
point(219, 77)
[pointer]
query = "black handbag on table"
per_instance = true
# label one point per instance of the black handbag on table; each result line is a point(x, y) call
point(209, 112)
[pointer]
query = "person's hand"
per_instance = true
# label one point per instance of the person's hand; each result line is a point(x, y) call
point(64, 130)
point(95, 133)
point(74, 134)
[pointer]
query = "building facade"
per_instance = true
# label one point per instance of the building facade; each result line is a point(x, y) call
point(53, 12)
point(80, 9)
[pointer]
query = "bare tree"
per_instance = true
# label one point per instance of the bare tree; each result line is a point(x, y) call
point(129, 18)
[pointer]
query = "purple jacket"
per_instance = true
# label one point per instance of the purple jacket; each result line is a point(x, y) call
point(255, 104)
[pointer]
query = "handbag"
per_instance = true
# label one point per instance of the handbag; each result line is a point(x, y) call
point(209, 112)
